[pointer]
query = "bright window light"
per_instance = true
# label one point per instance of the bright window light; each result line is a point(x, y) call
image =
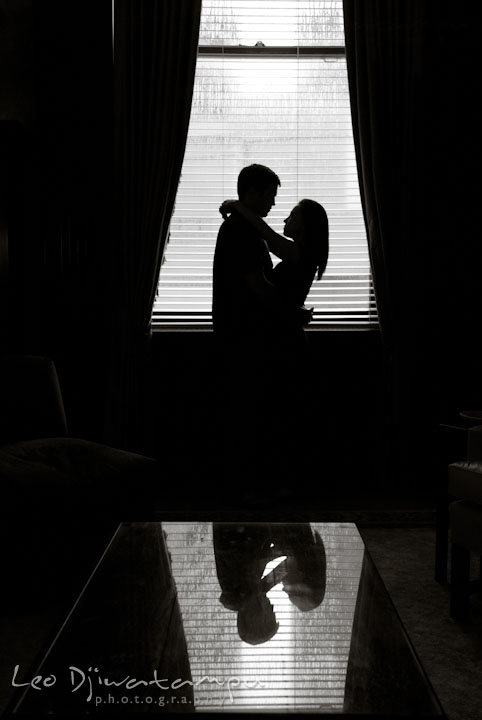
point(271, 87)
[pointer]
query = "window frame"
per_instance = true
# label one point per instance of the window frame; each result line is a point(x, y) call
point(275, 51)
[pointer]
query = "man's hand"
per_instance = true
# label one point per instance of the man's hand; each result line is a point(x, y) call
point(227, 207)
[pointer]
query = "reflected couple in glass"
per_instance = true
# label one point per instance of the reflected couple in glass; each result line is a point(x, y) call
point(253, 558)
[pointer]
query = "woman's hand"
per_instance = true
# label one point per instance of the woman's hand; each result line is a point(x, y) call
point(306, 314)
point(227, 207)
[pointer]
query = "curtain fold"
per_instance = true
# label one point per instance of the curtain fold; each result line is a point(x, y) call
point(385, 50)
point(391, 79)
point(155, 50)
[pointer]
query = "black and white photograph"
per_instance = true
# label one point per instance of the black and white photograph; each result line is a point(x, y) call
point(240, 383)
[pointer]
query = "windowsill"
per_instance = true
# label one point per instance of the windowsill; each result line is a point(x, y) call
point(319, 329)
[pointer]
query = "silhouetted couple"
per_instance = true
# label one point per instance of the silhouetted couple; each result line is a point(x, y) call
point(242, 553)
point(254, 303)
point(258, 320)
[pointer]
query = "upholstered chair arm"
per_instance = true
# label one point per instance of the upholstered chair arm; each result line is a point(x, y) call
point(474, 443)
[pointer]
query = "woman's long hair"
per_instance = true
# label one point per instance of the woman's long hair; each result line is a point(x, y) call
point(316, 234)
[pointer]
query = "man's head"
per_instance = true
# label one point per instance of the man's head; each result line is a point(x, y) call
point(257, 188)
point(256, 619)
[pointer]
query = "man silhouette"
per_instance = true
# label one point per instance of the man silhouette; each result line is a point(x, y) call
point(243, 296)
point(248, 322)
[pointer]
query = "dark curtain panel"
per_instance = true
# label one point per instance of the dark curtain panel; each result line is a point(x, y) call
point(57, 88)
point(385, 56)
point(389, 78)
point(155, 50)
point(413, 69)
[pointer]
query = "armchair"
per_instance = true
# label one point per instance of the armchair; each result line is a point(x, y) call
point(62, 497)
point(465, 488)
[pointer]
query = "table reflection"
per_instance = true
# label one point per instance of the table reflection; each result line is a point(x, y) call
point(252, 559)
point(267, 611)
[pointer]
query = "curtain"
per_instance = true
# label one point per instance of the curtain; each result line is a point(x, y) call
point(385, 49)
point(390, 81)
point(413, 68)
point(155, 50)
point(56, 88)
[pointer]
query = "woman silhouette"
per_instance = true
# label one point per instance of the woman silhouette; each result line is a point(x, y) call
point(303, 251)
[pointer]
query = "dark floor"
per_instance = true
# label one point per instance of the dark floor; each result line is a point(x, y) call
point(285, 504)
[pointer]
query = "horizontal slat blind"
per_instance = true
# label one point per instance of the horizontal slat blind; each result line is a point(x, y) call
point(289, 111)
point(272, 22)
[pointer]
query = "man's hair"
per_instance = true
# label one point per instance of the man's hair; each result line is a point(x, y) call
point(256, 176)
point(256, 620)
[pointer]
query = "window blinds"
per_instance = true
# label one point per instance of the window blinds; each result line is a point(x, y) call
point(271, 87)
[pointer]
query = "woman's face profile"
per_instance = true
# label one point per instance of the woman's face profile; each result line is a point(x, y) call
point(294, 226)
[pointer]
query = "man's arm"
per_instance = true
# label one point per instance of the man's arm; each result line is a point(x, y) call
point(278, 244)
point(264, 290)
point(269, 296)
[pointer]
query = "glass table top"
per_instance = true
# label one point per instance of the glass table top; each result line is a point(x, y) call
point(237, 618)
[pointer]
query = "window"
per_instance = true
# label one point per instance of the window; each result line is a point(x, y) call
point(271, 87)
